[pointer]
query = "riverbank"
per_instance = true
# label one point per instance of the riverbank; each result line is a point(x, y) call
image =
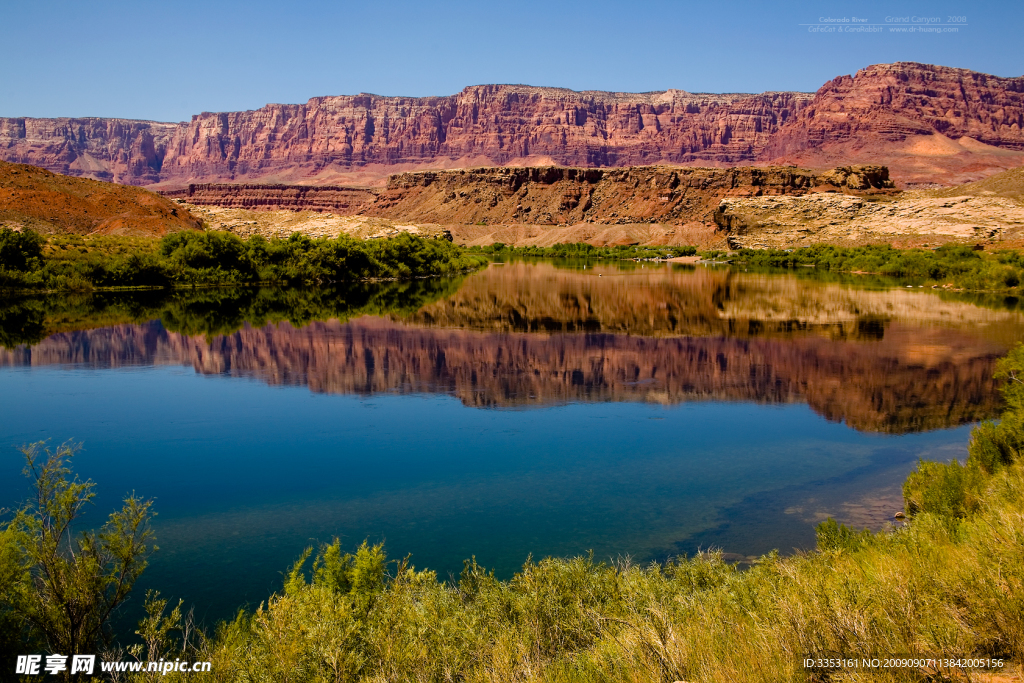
point(582, 250)
point(29, 261)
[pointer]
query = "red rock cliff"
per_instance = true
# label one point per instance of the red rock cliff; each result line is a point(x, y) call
point(977, 118)
point(929, 123)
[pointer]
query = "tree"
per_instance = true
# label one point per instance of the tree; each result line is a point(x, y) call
point(64, 585)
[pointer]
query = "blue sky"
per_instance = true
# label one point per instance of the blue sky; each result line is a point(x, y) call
point(169, 60)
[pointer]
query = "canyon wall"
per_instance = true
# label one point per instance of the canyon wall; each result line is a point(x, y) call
point(934, 122)
point(115, 150)
point(928, 124)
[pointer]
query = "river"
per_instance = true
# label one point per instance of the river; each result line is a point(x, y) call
point(530, 409)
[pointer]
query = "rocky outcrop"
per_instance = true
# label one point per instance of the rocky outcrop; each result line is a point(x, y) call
point(905, 111)
point(346, 200)
point(548, 195)
point(988, 211)
point(46, 202)
point(856, 178)
point(552, 195)
point(914, 219)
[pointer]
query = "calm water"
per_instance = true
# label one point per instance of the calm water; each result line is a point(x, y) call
point(526, 410)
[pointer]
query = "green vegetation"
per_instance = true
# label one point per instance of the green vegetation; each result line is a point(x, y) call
point(58, 587)
point(28, 261)
point(955, 265)
point(950, 583)
point(582, 250)
point(213, 310)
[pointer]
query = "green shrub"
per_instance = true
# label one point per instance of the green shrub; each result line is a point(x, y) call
point(20, 250)
point(833, 536)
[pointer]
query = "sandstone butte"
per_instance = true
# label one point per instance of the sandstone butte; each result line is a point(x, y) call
point(928, 124)
point(46, 202)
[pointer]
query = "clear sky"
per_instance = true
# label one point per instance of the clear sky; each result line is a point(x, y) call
point(171, 59)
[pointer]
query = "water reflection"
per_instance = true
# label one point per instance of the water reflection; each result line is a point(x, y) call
point(525, 334)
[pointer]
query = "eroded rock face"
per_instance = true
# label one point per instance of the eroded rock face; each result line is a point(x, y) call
point(482, 125)
point(347, 200)
point(913, 219)
point(116, 150)
point(876, 116)
point(895, 101)
point(546, 195)
point(926, 123)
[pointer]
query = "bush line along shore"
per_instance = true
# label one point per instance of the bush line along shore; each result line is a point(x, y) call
point(189, 259)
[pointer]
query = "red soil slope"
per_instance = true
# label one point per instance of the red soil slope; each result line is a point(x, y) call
point(46, 202)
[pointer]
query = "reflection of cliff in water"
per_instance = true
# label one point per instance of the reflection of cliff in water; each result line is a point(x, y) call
point(660, 301)
point(912, 378)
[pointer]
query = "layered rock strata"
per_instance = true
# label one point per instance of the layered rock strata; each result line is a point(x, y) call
point(547, 195)
point(346, 200)
point(930, 123)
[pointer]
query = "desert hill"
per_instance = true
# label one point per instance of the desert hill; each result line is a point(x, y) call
point(46, 202)
point(929, 124)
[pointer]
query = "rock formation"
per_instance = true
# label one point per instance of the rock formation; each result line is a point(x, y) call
point(548, 195)
point(990, 211)
point(345, 200)
point(929, 123)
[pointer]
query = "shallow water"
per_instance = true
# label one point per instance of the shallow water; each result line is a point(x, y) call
point(527, 410)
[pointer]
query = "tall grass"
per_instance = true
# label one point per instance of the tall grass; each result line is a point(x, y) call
point(949, 583)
